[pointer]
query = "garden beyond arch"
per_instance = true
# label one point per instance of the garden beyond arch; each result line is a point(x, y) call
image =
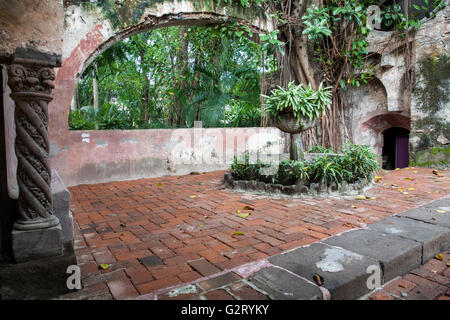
point(90, 29)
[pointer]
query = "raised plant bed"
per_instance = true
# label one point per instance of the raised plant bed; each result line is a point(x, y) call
point(313, 189)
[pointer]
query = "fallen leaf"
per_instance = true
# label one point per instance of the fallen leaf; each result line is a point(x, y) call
point(238, 233)
point(360, 197)
point(401, 189)
point(415, 171)
point(318, 279)
point(411, 188)
point(404, 192)
point(385, 184)
point(372, 198)
point(243, 215)
point(159, 184)
point(435, 172)
point(410, 179)
point(248, 208)
point(193, 196)
point(440, 257)
point(104, 266)
point(448, 264)
point(377, 179)
point(353, 206)
point(205, 217)
point(397, 168)
point(123, 225)
point(441, 211)
point(347, 224)
point(406, 168)
point(202, 226)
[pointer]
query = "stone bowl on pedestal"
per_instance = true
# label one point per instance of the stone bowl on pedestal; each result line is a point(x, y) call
point(288, 123)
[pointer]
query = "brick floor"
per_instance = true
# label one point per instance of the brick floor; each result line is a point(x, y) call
point(189, 224)
point(430, 281)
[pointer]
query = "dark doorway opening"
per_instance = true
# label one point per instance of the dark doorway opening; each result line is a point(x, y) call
point(395, 148)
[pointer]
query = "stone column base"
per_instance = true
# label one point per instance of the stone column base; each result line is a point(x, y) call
point(36, 244)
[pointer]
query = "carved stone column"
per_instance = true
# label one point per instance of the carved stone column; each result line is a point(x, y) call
point(37, 232)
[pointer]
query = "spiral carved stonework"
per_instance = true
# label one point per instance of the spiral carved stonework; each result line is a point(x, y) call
point(31, 87)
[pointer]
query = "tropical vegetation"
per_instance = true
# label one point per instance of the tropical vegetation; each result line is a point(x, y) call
point(356, 162)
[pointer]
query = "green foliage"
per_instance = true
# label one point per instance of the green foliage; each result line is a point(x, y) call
point(359, 160)
point(328, 169)
point(301, 102)
point(338, 30)
point(171, 77)
point(78, 121)
point(320, 149)
point(355, 163)
point(243, 170)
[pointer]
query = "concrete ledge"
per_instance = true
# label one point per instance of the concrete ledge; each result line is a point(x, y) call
point(344, 272)
point(433, 238)
point(396, 255)
point(279, 284)
point(428, 213)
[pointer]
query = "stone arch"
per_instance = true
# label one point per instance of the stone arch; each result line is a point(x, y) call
point(89, 29)
point(376, 125)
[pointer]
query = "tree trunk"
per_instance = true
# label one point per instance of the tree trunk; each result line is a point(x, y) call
point(95, 93)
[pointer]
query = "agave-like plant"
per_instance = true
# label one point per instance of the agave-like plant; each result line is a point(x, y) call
point(302, 103)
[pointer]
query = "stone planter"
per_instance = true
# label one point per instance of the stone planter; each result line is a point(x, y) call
point(287, 123)
point(300, 188)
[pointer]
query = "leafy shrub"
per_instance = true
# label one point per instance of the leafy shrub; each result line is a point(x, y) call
point(328, 169)
point(359, 161)
point(302, 103)
point(319, 149)
point(243, 170)
point(356, 162)
point(78, 121)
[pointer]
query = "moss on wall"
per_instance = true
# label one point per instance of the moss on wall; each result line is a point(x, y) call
point(431, 130)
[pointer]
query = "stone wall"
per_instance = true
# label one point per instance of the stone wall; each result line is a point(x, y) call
point(31, 24)
point(384, 102)
point(100, 156)
point(430, 106)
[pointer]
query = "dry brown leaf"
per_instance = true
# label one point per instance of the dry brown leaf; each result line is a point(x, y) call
point(318, 279)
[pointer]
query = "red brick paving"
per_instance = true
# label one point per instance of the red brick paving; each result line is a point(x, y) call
point(189, 222)
point(430, 281)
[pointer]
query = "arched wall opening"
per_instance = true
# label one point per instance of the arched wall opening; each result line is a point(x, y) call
point(375, 127)
point(99, 156)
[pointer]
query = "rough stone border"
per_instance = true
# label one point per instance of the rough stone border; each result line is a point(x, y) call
point(314, 189)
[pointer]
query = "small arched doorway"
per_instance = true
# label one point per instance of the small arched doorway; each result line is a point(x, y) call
point(395, 148)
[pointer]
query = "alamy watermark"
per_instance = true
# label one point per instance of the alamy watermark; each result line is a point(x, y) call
point(74, 280)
